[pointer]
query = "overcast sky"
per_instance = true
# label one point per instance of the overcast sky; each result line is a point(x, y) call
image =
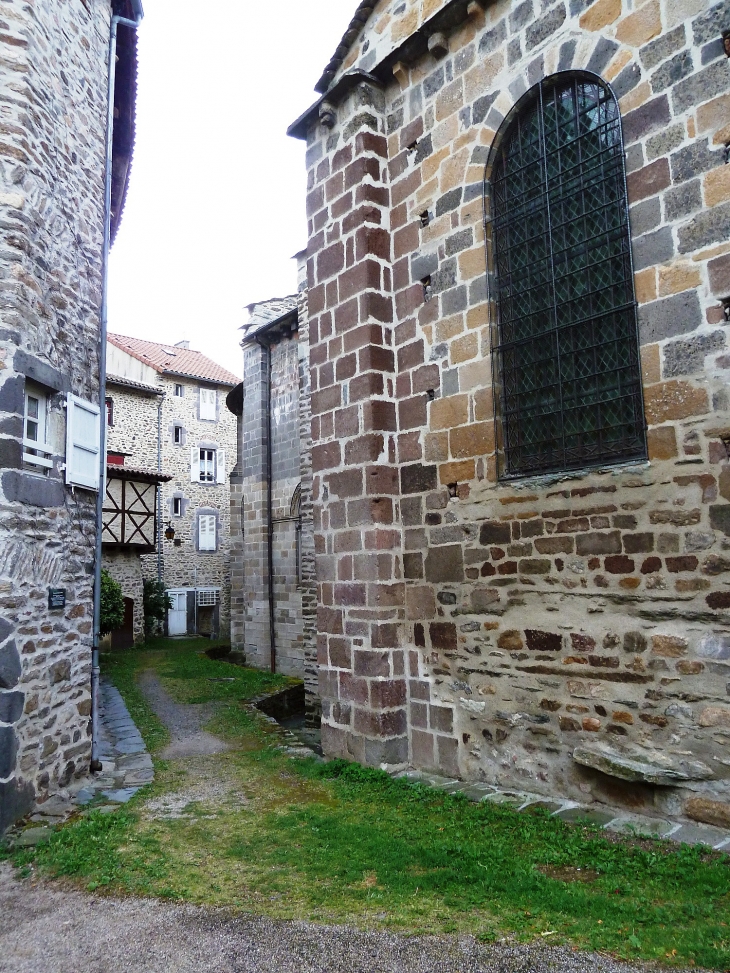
point(215, 209)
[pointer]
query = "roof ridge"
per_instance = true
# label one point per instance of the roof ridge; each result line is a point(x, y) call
point(362, 15)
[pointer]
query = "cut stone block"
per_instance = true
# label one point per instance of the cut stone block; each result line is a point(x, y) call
point(635, 764)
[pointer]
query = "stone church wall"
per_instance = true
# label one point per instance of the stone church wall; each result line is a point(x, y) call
point(53, 66)
point(537, 632)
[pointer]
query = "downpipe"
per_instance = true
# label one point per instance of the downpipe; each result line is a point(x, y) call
point(159, 492)
point(106, 247)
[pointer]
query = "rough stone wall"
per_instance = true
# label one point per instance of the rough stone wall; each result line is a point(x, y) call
point(255, 629)
point(126, 568)
point(557, 615)
point(286, 475)
point(53, 67)
point(134, 428)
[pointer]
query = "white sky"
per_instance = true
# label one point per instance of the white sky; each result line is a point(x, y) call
point(215, 208)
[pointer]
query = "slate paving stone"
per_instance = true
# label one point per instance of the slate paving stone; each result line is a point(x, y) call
point(503, 797)
point(634, 824)
point(121, 796)
point(543, 805)
point(32, 837)
point(696, 834)
point(583, 815)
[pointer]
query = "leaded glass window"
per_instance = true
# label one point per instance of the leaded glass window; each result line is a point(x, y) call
point(567, 355)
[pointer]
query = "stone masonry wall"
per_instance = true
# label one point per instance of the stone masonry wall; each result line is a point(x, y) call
point(308, 578)
point(524, 633)
point(126, 568)
point(53, 102)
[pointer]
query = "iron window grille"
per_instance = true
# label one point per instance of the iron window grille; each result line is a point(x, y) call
point(567, 367)
point(208, 597)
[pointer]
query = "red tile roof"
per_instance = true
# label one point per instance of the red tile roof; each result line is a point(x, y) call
point(169, 360)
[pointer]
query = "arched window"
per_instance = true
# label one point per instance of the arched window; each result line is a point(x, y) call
point(567, 373)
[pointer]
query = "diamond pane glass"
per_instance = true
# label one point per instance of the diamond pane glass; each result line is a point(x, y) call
point(568, 348)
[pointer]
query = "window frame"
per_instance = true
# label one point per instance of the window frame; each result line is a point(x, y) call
point(206, 476)
point(177, 434)
point(37, 453)
point(109, 411)
point(525, 105)
point(179, 392)
point(177, 506)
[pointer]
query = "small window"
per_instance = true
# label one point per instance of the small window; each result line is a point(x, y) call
point(208, 405)
point(206, 532)
point(179, 391)
point(110, 412)
point(177, 506)
point(36, 452)
point(177, 435)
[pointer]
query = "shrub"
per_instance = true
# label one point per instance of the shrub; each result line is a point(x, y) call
point(156, 603)
point(112, 604)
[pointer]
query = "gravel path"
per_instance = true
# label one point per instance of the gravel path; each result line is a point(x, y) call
point(183, 720)
point(50, 929)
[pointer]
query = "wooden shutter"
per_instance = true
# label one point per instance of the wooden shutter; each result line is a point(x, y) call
point(220, 465)
point(194, 464)
point(207, 404)
point(83, 431)
point(206, 532)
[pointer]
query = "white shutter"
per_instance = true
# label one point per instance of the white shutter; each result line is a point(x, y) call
point(194, 464)
point(207, 404)
point(206, 532)
point(83, 431)
point(220, 465)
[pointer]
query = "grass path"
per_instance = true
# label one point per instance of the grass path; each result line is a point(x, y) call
point(255, 831)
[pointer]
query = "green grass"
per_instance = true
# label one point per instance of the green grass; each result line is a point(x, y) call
point(339, 843)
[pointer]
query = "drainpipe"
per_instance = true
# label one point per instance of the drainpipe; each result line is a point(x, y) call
point(112, 68)
point(159, 489)
point(269, 507)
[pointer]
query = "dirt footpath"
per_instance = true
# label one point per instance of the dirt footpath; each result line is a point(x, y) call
point(47, 929)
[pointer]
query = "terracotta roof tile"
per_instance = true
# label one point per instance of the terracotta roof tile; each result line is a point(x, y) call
point(169, 360)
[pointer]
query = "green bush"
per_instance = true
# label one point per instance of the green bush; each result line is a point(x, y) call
point(156, 603)
point(112, 604)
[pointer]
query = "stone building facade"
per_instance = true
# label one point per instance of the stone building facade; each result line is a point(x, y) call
point(274, 595)
point(53, 66)
point(167, 411)
point(556, 620)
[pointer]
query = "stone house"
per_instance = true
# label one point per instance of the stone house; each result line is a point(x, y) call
point(132, 516)
point(518, 276)
point(53, 66)
point(166, 414)
point(273, 599)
